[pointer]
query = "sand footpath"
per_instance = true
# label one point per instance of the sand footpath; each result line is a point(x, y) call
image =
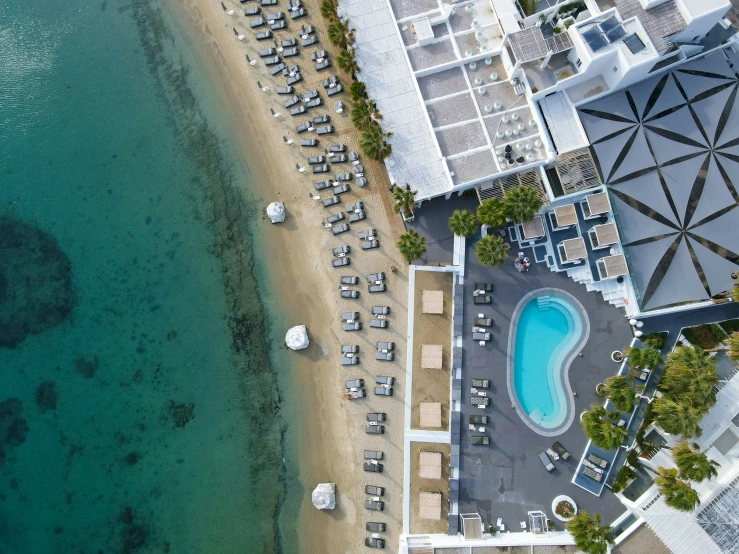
point(306, 283)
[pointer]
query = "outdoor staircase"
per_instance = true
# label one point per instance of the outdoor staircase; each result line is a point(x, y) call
point(520, 88)
point(612, 291)
point(537, 415)
point(543, 302)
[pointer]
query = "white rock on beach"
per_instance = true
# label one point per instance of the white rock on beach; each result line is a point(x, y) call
point(324, 497)
point(297, 338)
point(276, 212)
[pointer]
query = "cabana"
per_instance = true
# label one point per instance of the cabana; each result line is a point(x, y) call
point(572, 250)
point(563, 217)
point(532, 229)
point(612, 266)
point(431, 355)
point(595, 205)
point(603, 236)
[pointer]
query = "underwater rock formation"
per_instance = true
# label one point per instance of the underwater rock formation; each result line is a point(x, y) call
point(86, 367)
point(181, 413)
point(13, 427)
point(35, 282)
point(46, 396)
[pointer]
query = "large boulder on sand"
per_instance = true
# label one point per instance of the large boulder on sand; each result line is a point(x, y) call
point(324, 497)
point(297, 338)
point(276, 212)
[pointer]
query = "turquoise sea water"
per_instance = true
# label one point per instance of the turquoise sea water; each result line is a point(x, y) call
point(141, 390)
point(543, 339)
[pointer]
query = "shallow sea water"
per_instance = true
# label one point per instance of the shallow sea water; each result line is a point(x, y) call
point(143, 409)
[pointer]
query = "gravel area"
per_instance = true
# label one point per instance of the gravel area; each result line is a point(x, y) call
point(640, 541)
point(442, 83)
point(494, 123)
point(440, 30)
point(407, 8)
point(556, 550)
point(502, 92)
point(460, 139)
point(460, 20)
point(483, 71)
point(438, 53)
point(417, 484)
point(474, 166)
point(467, 41)
point(452, 110)
point(409, 37)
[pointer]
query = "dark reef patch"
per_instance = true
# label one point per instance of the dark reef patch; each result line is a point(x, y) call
point(180, 414)
point(131, 458)
point(35, 282)
point(13, 427)
point(86, 367)
point(46, 396)
point(134, 536)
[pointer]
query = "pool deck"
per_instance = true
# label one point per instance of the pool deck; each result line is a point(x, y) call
point(506, 479)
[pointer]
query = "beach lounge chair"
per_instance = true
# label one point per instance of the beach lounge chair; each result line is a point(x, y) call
point(305, 126)
point(265, 35)
point(349, 316)
point(354, 394)
point(337, 159)
point(258, 22)
point(267, 52)
point(483, 322)
point(374, 429)
point(376, 288)
point(313, 103)
point(374, 490)
point(288, 43)
point(275, 16)
point(358, 168)
point(349, 280)
point(336, 89)
point(341, 189)
point(378, 323)
point(328, 129)
point(387, 346)
point(343, 176)
point(338, 106)
point(361, 181)
point(315, 160)
point(482, 300)
point(290, 102)
point(597, 460)
point(330, 201)
point(479, 400)
point(309, 30)
point(384, 391)
point(337, 148)
point(380, 310)
point(320, 168)
point(374, 542)
point(354, 156)
point(478, 419)
point(323, 64)
point(546, 461)
point(374, 505)
point(254, 10)
point(587, 472)
point(290, 52)
point(318, 55)
point(268, 2)
point(336, 217)
point(294, 79)
point(480, 336)
point(311, 142)
point(350, 294)
point(321, 119)
point(343, 228)
point(561, 450)
point(341, 262)
point(290, 70)
point(370, 244)
point(479, 440)
point(356, 326)
point(309, 41)
point(486, 287)
point(275, 69)
point(384, 356)
point(330, 81)
point(297, 14)
point(285, 90)
point(357, 216)
point(355, 207)
point(373, 455)
point(592, 466)
point(384, 380)
point(375, 527)
point(349, 348)
point(354, 384)
point(376, 416)
point(480, 383)
point(380, 276)
point(349, 361)
point(278, 25)
point(299, 110)
point(371, 467)
point(271, 60)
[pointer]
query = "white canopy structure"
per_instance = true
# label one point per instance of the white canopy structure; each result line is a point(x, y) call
point(297, 338)
point(276, 212)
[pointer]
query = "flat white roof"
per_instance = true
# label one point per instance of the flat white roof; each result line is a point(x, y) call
point(696, 8)
point(561, 117)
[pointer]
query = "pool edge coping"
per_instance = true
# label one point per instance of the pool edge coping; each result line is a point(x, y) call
point(564, 371)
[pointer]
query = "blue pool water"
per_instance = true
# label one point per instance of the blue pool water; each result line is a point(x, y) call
point(548, 329)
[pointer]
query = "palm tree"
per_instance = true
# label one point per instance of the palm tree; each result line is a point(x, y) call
point(412, 245)
point(733, 343)
point(692, 464)
point(678, 417)
point(345, 60)
point(374, 145)
point(358, 91)
point(491, 250)
point(405, 199)
point(365, 114)
point(521, 203)
point(590, 536)
point(328, 9)
point(491, 213)
point(599, 426)
point(643, 358)
point(621, 393)
point(463, 223)
point(678, 494)
point(337, 32)
point(690, 372)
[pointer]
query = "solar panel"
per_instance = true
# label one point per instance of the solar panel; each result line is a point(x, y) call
point(616, 33)
point(634, 43)
point(608, 24)
point(598, 43)
point(591, 34)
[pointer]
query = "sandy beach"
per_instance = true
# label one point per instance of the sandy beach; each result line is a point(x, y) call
point(333, 428)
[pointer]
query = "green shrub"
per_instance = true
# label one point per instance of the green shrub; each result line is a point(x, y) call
point(703, 336)
point(623, 476)
point(557, 30)
point(731, 325)
point(654, 340)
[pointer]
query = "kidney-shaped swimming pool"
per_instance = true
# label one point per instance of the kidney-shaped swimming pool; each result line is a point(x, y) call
point(548, 329)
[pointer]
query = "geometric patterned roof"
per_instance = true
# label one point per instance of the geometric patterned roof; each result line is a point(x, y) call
point(668, 149)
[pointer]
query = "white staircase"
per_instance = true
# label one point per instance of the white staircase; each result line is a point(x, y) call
point(613, 292)
point(543, 302)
